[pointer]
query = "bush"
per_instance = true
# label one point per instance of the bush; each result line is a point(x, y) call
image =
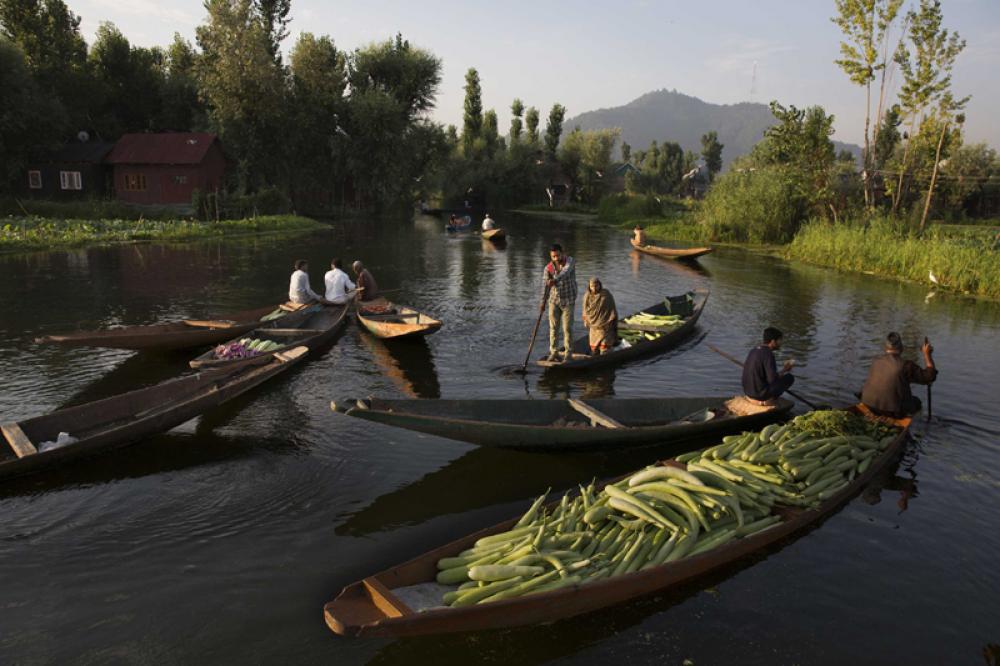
point(623, 208)
point(762, 206)
point(269, 201)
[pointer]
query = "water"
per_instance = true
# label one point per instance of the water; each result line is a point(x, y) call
point(220, 541)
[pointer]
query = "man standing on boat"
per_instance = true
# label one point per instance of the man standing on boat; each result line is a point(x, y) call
point(762, 382)
point(339, 287)
point(299, 290)
point(887, 389)
point(560, 282)
point(600, 316)
point(366, 282)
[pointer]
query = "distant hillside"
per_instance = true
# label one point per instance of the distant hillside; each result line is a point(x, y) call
point(667, 115)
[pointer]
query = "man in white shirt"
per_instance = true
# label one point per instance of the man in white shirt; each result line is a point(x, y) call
point(339, 288)
point(488, 223)
point(299, 290)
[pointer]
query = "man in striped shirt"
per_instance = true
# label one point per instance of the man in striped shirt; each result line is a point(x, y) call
point(560, 280)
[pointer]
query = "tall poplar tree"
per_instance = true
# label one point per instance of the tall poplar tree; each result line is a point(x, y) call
point(553, 129)
point(516, 110)
point(472, 118)
point(531, 125)
point(711, 152)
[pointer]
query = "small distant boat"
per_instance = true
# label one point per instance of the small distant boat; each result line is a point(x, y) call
point(564, 425)
point(495, 234)
point(181, 334)
point(581, 358)
point(123, 419)
point(319, 327)
point(390, 321)
point(461, 224)
point(672, 253)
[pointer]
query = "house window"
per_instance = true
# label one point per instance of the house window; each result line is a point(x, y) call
point(35, 180)
point(180, 180)
point(70, 180)
point(135, 182)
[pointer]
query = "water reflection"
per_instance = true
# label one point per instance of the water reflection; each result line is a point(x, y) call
point(408, 363)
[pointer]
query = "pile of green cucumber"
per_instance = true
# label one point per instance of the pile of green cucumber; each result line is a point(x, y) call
point(658, 515)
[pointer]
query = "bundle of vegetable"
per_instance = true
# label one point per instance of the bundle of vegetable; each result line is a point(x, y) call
point(660, 514)
point(245, 348)
point(800, 463)
point(273, 315)
point(658, 321)
point(636, 336)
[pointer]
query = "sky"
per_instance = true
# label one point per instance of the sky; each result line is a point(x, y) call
point(587, 55)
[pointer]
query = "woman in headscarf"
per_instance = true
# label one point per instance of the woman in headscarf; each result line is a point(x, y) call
point(600, 316)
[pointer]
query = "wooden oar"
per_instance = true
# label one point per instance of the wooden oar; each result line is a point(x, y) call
point(534, 333)
point(740, 363)
point(926, 342)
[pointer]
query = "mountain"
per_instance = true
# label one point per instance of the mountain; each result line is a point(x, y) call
point(667, 115)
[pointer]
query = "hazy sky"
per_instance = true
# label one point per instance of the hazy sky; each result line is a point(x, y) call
point(589, 55)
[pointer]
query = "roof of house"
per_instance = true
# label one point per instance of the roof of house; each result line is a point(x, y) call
point(622, 168)
point(164, 148)
point(89, 152)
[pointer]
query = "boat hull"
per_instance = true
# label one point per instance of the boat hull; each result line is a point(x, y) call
point(404, 323)
point(672, 253)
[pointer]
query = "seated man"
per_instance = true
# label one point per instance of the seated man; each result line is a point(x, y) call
point(640, 236)
point(600, 316)
point(488, 223)
point(366, 282)
point(299, 290)
point(339, 288)
point(887, 389)
point(762, 383)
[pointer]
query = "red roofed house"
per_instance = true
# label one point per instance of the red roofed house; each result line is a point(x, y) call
point(165, 169)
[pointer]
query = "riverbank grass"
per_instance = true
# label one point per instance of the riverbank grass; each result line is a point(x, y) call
point(42, 233)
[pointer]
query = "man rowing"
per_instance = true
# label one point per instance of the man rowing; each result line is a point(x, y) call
point(299, 290)
point(560, 282)
point(639, 239)
point(763, 383)
point(887, 389)
point(488, 223)
point(366, 282)
point(600, 316)
point(339, 288)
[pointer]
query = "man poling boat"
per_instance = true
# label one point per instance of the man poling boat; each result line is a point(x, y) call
point(887, 390)
point(560, 278)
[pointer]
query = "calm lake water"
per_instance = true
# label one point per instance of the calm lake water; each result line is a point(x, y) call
point(220, 541)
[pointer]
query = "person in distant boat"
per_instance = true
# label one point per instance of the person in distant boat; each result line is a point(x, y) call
point(640, 236)
point(560, 281)
point(299, 290)
point(600, 316)
point(339, 288)
point(488, 223)
point(762, 382)
point(367, 286)
point(887, 389)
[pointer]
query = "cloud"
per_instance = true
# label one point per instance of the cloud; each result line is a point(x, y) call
point(740, 55)
point(148, 8)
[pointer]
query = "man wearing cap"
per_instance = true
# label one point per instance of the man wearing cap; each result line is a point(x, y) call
point(887, 389)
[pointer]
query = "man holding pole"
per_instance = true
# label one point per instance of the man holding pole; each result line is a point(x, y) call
point(560, 282)
point(887, 389)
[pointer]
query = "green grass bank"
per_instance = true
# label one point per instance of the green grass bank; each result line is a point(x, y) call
point(43, 233)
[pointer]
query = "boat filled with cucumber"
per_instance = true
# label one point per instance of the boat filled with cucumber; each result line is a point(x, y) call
point(608, 542)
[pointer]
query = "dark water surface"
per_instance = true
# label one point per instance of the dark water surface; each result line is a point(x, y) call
point(220, 541)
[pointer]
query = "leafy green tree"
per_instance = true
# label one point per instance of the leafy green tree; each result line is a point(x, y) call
point(472, 119)
point(516, 125)
point(971, 172)
point(669, 168)
point(31, 120)
point(553, 130)
point(948, 116)
point(181, 109)
point(925, 62)
point(864, 52)
point(711, 152)
point(490, 133)
point(130, 80)
point(887, 139)
point(531, 125)
point(274, 17)
point(626, 152)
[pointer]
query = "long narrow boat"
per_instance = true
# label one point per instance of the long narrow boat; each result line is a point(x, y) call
point(672, 253)
point(369, 607)
point(496, 234)
point(124, 419)
point(563, 425)
point(317, 329)
point(582, 359)
point(390, 321)
point(177, 335)
point(462, 223)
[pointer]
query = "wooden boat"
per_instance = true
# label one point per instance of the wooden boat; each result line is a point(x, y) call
point(462, 223)
point(319, 327)
point(369, 607)
point(563, 425)
point(581, 358)
point(127, 418)
point(496, 234)
point(176, 335)
point(390, 321)
point(672, 253)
